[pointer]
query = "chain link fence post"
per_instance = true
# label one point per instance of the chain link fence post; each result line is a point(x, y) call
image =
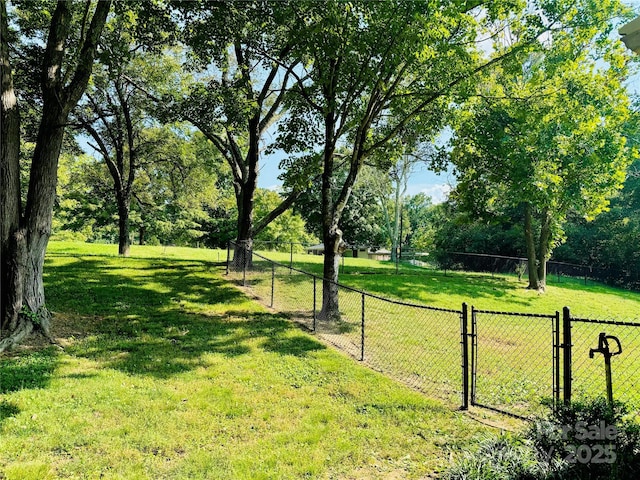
point(362, 332)
point(244, 265)
point(556, 360)
point(314, 303)
point(228, 256)
point(566, 345)
point(464, 341)
point(273, 281)
point(474, 354)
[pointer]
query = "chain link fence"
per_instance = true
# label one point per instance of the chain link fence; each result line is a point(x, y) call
point(514, 360)
point(589, 376)
point(508, 362)
point(416, 344)
point(556, 271)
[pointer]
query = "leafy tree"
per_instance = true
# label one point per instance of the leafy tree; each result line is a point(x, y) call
point(424, 218)
point(62, 38)
point(361, 221)
point(242, 51)
point(288, 227)
point(548, 139)
point(455, 229)
point(175, 189)
point(609, 242)
point(84, 207)
point(390, 187)
point(178, 185)
point(115, 112)
point(372, 69)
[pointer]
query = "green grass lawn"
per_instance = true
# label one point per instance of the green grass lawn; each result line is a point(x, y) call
point(422, 347)
point(169, 371)
point(482, 290)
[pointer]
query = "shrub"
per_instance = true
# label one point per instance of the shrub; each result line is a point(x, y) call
point(588, 440)
point(501, 458)
point(582, 441)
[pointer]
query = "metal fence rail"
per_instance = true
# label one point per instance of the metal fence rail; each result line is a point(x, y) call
point(504, 361)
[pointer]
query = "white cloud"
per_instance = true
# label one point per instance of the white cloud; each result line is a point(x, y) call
point(438, 192)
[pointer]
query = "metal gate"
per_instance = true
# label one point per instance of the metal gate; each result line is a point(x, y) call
point(510, 367)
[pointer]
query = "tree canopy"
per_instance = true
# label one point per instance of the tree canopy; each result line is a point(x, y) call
point(181, 101)
point(548, 137)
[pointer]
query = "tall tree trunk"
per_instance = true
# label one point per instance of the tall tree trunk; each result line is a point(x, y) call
point(24, 239)
point(531, 248)
point(245, 198)
point(124, 240)
point(331, 234)
point(10, 203)
point(29, 243)
point(395, 233)
point(244, 239)
point(332, 253)
point(39, 208)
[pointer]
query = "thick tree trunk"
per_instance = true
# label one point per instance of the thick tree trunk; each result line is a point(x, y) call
point(10, 203)
point(39, 209)
point(29, 243)
point(332, 253)
point(245, 197)
point(17, 326)
point(331, 234)
point(124, 240)
point(244, 239)
point(25, 238)
point(14, 262)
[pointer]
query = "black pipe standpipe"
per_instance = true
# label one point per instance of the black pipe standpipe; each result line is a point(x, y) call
point(603, 348)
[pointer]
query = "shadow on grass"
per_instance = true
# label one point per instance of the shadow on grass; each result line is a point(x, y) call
point(8, 410)
point(298, 345)
point(139, 320)
point(419, 285)
point(27, 371)
point(31, 370)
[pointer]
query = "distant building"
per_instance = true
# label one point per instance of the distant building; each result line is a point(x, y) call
point(356, 252)
point(316, 249)
point(380, 254)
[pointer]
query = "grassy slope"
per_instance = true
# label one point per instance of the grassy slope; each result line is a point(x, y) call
point(170, 372)
point(514, 367)
point(484, 291)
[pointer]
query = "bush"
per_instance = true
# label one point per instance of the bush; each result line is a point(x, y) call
point(153, 241)
point(68, 236)
point(501, 458)
point(588, 440)
point(583, 441)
